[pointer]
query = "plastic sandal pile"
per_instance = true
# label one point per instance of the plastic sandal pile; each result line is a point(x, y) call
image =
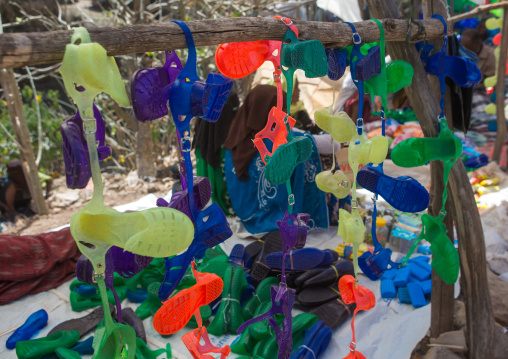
point(167, 258)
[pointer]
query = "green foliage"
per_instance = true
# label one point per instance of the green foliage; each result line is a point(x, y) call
point(51, 116)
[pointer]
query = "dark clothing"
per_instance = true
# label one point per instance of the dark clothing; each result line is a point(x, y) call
point(249, 120)
point(211, 136)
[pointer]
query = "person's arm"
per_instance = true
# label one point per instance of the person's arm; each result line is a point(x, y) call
point(10, 194)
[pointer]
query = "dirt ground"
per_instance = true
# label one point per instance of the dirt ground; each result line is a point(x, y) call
point(63, 202)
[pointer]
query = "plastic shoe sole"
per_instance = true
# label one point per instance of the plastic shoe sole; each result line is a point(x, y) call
point(216, 93)
point(236, 256)
point(84, 324)
point(336, 63)
point(154, 232)
point(273, 243)
point(177, 311)
point(239, 59)
point(404, 194)
point(282, 164)
point(149, 101)
point(340, 126)
point(297, 56)
point(202, 190)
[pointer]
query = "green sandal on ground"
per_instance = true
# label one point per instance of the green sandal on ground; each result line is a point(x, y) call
point(36, 348)
point(143, 352)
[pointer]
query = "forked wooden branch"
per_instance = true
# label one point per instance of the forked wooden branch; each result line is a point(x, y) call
point(477, 11)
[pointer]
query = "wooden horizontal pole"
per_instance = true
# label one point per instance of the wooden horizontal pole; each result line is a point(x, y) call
point(477, 11)
point(38, 48)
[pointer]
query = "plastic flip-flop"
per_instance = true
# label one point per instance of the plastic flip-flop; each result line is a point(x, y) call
point(403, 193)
point(87, 70)
point(75, 149)
point(177, 311)
point(35, 348)
point(334, 313)
point(150, 88)
point(329, 275)
point(82, 325)
point(28, 329)
point(340, 126)
point(337, 63)
point(259, 270)
point(302, 259)
point(336, 183)
point(239, 59)
point(317, 296)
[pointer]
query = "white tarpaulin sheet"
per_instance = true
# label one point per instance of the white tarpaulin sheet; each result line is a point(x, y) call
point(347, 10)
point(389, 330)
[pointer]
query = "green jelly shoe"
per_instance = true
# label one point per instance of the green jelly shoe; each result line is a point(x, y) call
point(143, 352)
point(64, 353)
point(262, 329)
point(206, 313)
point(150, 305)
point(219, 324)
point(262, 296)
point(415, 151)
point(36, 348)
point(244, 343)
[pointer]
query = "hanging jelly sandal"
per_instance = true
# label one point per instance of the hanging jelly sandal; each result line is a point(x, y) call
point(261, 296)
point(329, 274)
point(301, 259)
point(352, 230)
point(284, 160)
point(143, 352)
point(334, 313)
point(317, 296)
point(84, 324)
point(415, 152)
point(336, 183)
point(150, 88)
point(403, 193)
point(337, 63)
point(363, 151)
point(259, 270)
point(192, 342)
point(35, 322)
point(340, 126)
point(35, 348)
point(177, 311)
point(128, 264)
point(154, 232)
point(202, 191)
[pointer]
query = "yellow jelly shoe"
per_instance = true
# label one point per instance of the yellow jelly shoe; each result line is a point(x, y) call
point(336, 183)
point(352, 230)
point(154, 232)
point(340, 126)
point(363, 151)
point(87, 70)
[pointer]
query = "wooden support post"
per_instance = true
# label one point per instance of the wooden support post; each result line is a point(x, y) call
point(501, 68)
point(442, 299)
point(480, 320)
point(15, 106)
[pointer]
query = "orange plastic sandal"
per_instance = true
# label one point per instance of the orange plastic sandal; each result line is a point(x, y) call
point(176, 312)
point(352, 292)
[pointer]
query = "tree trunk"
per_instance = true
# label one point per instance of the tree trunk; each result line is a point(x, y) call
point(15, 106)
point(480, 320)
